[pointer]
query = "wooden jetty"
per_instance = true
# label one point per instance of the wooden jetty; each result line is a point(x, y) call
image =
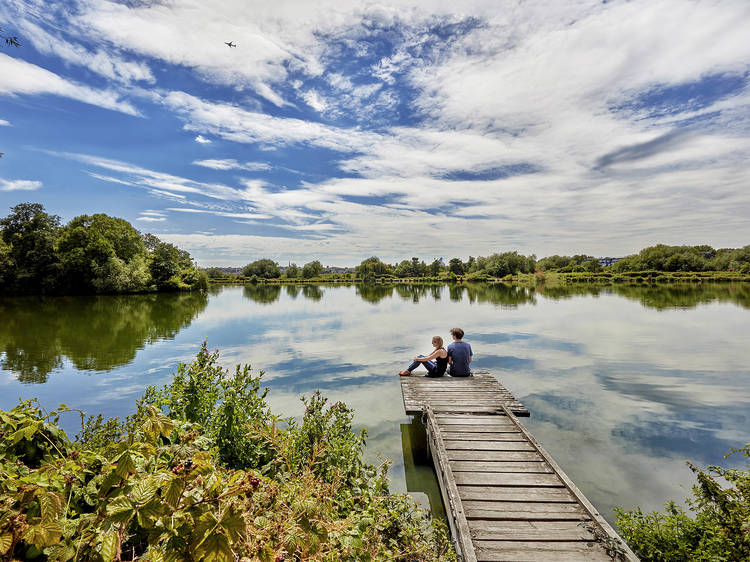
point(504, 496)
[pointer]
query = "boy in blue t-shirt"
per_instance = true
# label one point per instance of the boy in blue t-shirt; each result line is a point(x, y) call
point(459, 355)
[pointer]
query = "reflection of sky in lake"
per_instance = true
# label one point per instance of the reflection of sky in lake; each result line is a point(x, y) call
point(620, 394)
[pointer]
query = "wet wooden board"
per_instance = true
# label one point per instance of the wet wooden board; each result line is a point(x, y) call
point(505, 497)
point(479, 393)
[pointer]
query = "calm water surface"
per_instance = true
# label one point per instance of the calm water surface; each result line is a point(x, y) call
point(623, 384)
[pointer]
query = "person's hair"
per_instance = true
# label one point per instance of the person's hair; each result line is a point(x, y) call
point(458, 333)
point(437, 341)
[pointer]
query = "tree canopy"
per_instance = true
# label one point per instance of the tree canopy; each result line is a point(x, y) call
point(263, 269)
point(312, 269)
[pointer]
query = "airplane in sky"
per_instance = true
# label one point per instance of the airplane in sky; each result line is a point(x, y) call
point(230, 44)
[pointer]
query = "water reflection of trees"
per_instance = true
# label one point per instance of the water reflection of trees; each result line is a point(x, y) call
point(312, 292)
point(661, 296)
point(494, 293)
point(652, 296)
point(262, 293)
point(94, 333)
point(374, 292)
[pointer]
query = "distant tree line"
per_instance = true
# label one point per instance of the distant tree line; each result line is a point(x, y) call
point(658, 258)
point(654, 258)
point(91, 254)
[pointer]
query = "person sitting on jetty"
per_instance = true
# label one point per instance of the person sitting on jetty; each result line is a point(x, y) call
point(459, 355)
point(434, 368)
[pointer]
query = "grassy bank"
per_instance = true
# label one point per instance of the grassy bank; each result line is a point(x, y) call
point(203, 471)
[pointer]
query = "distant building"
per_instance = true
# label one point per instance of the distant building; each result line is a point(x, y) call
point(335, 269)
point(230, 270)
point(606, 262)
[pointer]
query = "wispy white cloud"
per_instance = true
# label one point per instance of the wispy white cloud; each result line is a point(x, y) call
point(245, 215)
point(231, 164)
point(152, 216)
point(4, 123)
point(101, 61)
point(21, 77)
point(19, 185)
point(234, 123)
point(151, 219)
point(202, 140)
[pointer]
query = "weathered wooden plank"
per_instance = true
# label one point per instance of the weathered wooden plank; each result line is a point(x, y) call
point(473, 455)
point(482, 529)
point(515, 493)
point(465, 419)
point(489, 445)
point(479, 402)
point(494, 428)
point(487, 437)
point(458, 393)
point(507, 479)
point(540, 551)
point(522, 511)
point(499, 466)
point(480, 409)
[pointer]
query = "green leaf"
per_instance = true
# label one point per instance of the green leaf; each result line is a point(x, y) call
point(215, 548)
point(149, 512)
point(26, 432)
point(153, 555)
point(120, 510)
point(109, 547)
point(5, 541)
point(233, 524)
point(51, 504)
point(173, 492)
point(45, 533)
point(125, 465)
point(143, 491)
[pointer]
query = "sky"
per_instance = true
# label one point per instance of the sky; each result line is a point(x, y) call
point(340, 130)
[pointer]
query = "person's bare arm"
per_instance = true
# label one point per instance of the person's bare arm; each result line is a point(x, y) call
point(430, 357)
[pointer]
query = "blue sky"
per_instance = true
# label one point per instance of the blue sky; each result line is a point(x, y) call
point(340, 130)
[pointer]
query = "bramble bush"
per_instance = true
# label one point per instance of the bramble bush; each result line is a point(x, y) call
point(719, 530)
point(202, 471)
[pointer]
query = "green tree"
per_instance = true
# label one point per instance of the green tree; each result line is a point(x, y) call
point(6, 264)
point(312, 269)
point(214, 273)
point(293, 271)
point(435, 268)
point(374, 267)
point(165, 264)
point(102, 253)
point(456, 266)
point(507, 263)
point(31, 233)
point(263, 269)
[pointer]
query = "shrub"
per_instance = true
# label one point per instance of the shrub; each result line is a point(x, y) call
point(719, 530)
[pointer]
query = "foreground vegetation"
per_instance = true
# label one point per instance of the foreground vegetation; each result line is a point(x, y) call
point(90, 254)
point(203, 471)
point(718, 530)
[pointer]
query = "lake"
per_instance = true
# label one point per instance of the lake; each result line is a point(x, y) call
point(624, 384)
